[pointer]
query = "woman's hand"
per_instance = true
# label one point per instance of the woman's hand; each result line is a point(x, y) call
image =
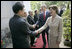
point(35, 30)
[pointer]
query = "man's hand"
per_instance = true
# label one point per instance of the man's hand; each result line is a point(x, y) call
point(37, 25)
point(34, 26)
point(37, 31)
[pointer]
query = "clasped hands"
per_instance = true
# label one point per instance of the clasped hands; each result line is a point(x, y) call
point(37, 33)
point(34, 26)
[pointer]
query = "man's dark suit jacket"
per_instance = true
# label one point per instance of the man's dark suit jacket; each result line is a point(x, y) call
point(41, 20)
point(30, 21)
point(36, 18)
point(20, 32)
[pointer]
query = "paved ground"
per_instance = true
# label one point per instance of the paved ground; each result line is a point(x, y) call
point(39, 43)
point(61, 45)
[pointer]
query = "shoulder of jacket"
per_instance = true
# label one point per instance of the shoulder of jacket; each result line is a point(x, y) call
point(49, 18)
point(59, 17)
point(22, 20)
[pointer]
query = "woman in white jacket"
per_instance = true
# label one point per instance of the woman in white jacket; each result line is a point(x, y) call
point(55, 27)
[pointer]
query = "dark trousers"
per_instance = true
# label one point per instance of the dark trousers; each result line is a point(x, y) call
point(43, 36)
point(32, 38)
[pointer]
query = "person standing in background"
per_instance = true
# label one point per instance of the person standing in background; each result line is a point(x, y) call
point(32, 22)
point(36, 16)
point(61, 10)
point(42, 19)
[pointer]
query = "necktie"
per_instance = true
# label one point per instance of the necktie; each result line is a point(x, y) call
point(44, 15)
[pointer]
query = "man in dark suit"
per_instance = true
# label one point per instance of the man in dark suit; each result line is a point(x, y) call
point(61, 10)
point(36, 16)
point(32, 22)
point(42, 19)
point(19, 28)
point(30, 18)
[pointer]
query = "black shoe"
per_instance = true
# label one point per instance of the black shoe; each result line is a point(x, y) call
point(33, 45)
point(44, 46)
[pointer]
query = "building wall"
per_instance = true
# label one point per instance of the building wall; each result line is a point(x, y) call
point(6, 13)
point(27, 6)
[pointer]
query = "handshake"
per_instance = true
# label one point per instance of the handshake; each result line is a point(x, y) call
point(36, 33)
point(34, 26)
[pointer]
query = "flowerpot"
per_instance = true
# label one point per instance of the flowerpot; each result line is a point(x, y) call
point(67, 43)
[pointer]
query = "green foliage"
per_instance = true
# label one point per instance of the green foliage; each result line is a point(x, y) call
point(67, 23)
point(35, 5)
point(48, 3)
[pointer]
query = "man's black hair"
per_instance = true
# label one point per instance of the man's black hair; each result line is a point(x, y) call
point(17, 6)
point(35, 11)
